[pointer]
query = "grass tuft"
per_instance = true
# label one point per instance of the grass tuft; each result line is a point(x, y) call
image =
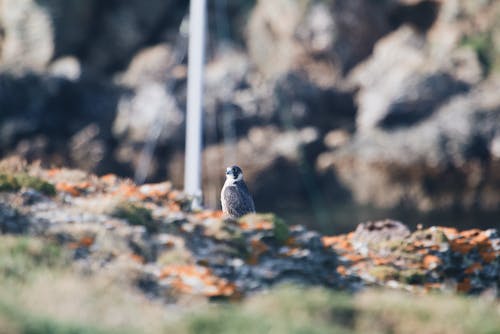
point(280, 229)
point(136, 214)
point(20, 256)
point(14, 182)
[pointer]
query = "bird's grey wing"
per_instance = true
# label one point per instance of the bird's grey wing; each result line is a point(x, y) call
point(248, 198)
point(237, 204)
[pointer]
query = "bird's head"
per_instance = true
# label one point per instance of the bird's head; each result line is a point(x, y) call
point(234, 173)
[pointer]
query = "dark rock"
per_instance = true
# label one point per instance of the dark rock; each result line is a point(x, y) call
point(11, 221)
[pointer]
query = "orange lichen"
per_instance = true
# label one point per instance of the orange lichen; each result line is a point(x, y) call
point(86, 241)
point(68, 188)
point(329, 241)
point(449, 232)
point(431, 261)
point(489, 256)
point(342, 270)
point(379, 261)
point(109, 179)
point(340, 242)
point(129, 191)
point(73, 245)
point(53, 172)
point(461, 246)
point(83, 185)
point(464, 286)
point(354, 257)
point(137, 258)
point(291, 242)
point(158, 190)
point(292, 251)
point(259, 225)
point(470, 233)
point(174, 207)
point(197, 280)
point(258, 247)
point(481, 238)
point(475, 267)
point(209, 214)
point(174, 194)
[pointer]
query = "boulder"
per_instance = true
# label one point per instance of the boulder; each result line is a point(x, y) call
point(446, 161)
point(26, 36)
point(282, 35)
point(400, 84)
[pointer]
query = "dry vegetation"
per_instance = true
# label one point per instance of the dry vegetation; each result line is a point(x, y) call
point(51, 298)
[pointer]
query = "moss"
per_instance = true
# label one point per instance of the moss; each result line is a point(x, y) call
point(38, 184)
point(13, 182)
point(136, 214)
point(412, 276)
point(484, 46)
point(384, 273)
point(280, 229)
point(8, 183)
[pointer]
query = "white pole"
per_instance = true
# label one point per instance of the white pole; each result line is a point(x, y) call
point(196, 58)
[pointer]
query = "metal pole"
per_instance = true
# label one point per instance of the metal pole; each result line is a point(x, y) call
point(196, 58)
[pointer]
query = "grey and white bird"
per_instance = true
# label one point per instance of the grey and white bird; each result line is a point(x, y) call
point(235, 198)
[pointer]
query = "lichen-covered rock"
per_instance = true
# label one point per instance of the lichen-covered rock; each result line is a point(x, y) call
point(437, 258)
point(143, 236)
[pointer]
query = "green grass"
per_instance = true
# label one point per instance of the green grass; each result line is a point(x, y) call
point(14, 182)
point(280, 229)
point(290, 309)
point(136, 214)
point(285, 310)
point(41, 294)
point(486, 51)
point(20, 257)
point(18, 321)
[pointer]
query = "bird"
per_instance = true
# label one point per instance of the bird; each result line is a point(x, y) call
point(235, 198)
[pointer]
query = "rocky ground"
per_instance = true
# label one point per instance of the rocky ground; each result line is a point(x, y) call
point(146, 237)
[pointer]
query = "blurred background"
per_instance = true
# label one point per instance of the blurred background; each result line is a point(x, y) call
point(338, 111)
